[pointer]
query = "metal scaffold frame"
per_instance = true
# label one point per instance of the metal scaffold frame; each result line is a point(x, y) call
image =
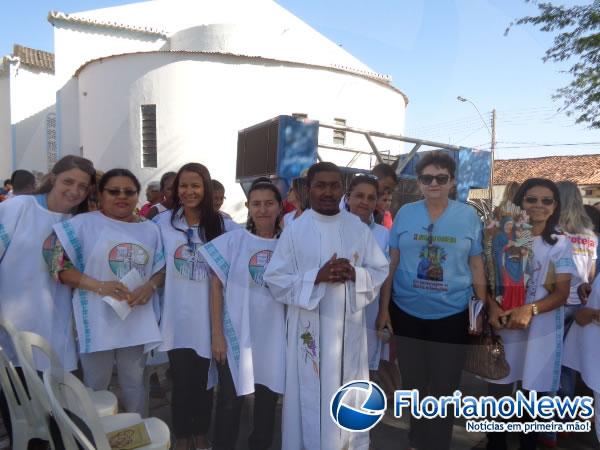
point(406, 157)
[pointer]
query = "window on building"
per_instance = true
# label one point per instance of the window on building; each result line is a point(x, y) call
point(149, 146)
point(300, 116)
point(51, 140)
point(339, 136)
point(589, 192)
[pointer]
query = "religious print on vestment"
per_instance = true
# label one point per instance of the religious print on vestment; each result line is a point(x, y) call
point(257, 266)
point(508, 250)
point(48, 248)
point(189, 262)
point(124, 257)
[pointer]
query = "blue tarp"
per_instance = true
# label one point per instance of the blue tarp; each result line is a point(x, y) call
point(472, 169)
point(297, 147)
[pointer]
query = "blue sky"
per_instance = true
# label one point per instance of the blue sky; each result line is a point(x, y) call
point(434, 50)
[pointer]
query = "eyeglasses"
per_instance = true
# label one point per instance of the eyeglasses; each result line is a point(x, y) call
point(439, 179)
point(546, 201)
point(116, 192)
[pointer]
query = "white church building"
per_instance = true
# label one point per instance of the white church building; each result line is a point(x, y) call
point(150, 86)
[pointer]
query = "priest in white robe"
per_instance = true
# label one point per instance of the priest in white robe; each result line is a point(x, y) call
point(327, 268)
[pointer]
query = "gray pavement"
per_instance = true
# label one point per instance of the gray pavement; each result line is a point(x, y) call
point(390, 433)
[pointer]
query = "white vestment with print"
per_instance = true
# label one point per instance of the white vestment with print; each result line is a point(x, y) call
point(326, 323)
point(107, 250)
point(30, 298)
point(534, 354)
point(253, 322)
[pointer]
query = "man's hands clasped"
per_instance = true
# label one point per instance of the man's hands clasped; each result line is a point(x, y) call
point(336, 270)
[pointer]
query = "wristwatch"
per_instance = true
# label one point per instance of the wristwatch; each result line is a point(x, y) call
point(534, 309)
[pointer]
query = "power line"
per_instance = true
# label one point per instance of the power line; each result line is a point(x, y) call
point(534, 145)
point(469, 135)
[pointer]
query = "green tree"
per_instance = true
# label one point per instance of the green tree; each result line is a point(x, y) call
point(578, 40)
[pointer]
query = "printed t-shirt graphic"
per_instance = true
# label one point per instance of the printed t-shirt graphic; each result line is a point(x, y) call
point(431, 261)
point(434, 278)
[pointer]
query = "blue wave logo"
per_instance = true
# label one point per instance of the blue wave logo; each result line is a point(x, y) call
point(365, 417)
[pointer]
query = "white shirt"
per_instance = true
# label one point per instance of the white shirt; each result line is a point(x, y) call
point(582, 346)
point(584, 257)
point(29, 297)
point(107, 249)
point(253, 322)
point(534, 354)
point(185, 312)
point(378, 350)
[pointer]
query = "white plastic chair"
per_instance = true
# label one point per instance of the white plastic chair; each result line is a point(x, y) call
point(105, 402)
point(66, 392)
point(25, 422)
point(156, 363)
point(32, 409)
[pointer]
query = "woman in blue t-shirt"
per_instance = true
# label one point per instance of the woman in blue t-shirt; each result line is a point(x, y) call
point(435, 266)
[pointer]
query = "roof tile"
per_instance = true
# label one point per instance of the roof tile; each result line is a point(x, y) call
point(35, 58)
point(581, 169)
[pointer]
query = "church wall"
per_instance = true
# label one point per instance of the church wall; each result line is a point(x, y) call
point(5, 138)
point(32, 100)
point(67, 105)
point(75, 44)
point(202, 101)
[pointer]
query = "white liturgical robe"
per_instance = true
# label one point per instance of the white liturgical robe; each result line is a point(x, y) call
point(326, 324)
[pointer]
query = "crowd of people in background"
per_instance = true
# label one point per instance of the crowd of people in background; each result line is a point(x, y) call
point(315, 290)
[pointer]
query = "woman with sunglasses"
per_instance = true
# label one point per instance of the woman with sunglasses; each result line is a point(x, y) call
point(532, 333)
point(435, 268)
point(185, 318)
point(29, 297)
point(115, 264)
point(248, 325)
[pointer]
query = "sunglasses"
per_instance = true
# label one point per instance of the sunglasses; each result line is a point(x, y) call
point(546, 201)
point(116, 192)
point(439, 179)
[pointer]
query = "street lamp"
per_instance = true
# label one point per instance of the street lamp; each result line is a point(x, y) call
point(462, 99)
point(492, 136)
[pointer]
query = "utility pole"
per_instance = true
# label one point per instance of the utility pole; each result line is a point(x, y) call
point(492, 131)
point(493, 155)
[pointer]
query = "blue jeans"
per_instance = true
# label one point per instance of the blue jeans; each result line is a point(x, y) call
point(567, 375)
